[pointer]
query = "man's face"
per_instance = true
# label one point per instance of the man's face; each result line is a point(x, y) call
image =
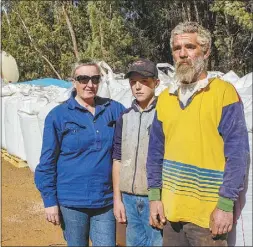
point(86, 90)
point(188, 57)
point(143, 88)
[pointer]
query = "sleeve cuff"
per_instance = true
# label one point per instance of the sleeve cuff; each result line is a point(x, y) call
point(225, 204)
point(50, 201)
point(154, 194)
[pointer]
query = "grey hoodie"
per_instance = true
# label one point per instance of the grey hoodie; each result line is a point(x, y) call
point(131, 146)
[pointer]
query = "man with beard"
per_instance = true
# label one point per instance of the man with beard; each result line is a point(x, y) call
point(198, 148)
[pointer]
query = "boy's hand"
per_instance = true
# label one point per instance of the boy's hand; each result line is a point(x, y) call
point(157, 218)
point(119, 211)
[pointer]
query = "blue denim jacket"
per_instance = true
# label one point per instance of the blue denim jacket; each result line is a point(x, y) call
point(75, 166)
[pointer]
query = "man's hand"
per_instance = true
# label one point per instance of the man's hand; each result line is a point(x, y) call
point(156, 218)
point(221, 222)
point(119, 211)
point(52, 215)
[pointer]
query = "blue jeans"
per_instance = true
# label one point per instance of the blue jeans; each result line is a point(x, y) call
point(79, 224)
point(138, 231)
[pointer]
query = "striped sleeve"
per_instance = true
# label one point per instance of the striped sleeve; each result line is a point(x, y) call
point(233, 130)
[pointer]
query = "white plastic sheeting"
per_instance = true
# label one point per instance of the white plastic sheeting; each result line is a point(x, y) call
point(3, 139)
point(32, 138)
point(241, 234)
point(115, 87)
point(43, 113)
point(13, 135)
point(21, 105)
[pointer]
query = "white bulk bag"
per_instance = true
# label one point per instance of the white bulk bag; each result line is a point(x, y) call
point(33, 104)
point(244, 89)
point(231, 77)
point(241, 234)
point(165, 80)
point(119, 89)
point(3, 103)
point(43, 113)
point(13, 135)
point(244, 82)
point(216, 74)
point(103, 90)
point(32, 138)
point(62, 96)
point(8, 90)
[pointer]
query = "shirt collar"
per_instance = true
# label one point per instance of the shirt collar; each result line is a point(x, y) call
point(175, 85)
point(100, 103)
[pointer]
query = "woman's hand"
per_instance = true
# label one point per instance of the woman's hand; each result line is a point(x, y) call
point(52, 215)
point(119, 211)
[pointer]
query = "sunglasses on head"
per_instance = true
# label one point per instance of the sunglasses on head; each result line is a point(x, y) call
point(84, 79)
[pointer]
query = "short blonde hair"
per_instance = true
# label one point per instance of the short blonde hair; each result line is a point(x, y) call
point(82, 63)
point(203, 35)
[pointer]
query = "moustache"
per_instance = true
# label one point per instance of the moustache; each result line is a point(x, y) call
point(184, 62)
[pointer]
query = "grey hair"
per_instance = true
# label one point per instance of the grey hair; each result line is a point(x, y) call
point(203, 35)
point(82, 63)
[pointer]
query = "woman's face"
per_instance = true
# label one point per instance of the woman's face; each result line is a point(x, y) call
point(85, 88)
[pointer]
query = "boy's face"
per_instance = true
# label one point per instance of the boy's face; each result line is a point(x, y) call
point(143, 88)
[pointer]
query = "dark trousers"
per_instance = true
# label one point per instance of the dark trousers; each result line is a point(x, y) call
point(188, 234)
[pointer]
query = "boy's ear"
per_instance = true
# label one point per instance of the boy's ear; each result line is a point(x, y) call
point(157, 83)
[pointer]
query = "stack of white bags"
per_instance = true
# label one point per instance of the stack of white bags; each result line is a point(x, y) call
point(25, 107)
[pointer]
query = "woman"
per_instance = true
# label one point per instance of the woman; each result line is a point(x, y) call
point(74, 175)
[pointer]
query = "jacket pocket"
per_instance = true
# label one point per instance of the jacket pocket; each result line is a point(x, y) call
point(71, 137)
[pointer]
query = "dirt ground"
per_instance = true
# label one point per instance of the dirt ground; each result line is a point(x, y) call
point(23, 222)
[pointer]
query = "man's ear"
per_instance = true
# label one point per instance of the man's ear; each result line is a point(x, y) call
point(207, 54)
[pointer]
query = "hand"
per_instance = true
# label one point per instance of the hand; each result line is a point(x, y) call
point(221, 222)
point(52, 215)
point(156, 218)
point(119, 211)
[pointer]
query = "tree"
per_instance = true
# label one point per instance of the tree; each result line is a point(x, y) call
point(47, 37)
point(233, 35)
point(109, 41)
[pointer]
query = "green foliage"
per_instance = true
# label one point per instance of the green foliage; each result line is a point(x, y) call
point(235, 9)
point(36, 33)
point(110, 40)
point(233, 35)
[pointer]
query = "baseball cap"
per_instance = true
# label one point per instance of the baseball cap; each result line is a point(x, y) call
point(144, 67)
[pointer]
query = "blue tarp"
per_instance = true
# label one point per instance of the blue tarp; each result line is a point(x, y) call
point(48, 82)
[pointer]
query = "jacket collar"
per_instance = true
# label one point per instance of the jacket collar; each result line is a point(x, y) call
point(136, 106)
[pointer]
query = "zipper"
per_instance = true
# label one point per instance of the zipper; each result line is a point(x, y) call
point(136, 154)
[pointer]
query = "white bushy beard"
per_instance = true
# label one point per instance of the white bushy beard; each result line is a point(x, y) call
point(190, 72)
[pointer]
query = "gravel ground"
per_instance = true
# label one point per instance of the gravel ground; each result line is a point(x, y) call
point(23, 221)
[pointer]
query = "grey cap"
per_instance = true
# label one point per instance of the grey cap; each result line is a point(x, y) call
point(144, 67)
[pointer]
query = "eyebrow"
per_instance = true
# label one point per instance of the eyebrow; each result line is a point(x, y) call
point(187, 45)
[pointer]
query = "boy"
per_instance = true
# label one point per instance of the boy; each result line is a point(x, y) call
point(131, 204)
